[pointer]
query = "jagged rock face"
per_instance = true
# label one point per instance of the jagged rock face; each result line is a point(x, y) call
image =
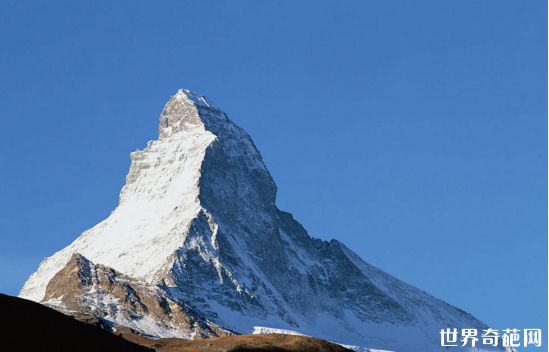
point(94, 290)
point(197, 230)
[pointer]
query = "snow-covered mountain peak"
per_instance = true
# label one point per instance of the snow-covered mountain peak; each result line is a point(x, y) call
point(197, 231)
point(186, 108)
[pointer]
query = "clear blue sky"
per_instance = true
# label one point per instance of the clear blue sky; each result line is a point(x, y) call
point(413, 131)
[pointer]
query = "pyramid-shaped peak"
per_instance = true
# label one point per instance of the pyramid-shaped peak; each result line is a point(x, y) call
point(186, 108)
point(198, 247)
point(194, 98)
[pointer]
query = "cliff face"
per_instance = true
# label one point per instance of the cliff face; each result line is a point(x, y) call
point(197, 247)
point(120, 302)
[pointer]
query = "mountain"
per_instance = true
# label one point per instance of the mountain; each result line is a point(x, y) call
point(198, 248)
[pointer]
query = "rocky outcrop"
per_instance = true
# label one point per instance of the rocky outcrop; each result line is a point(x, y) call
point(84, 289)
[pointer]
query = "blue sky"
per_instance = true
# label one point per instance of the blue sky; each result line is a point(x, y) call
point(414, 132)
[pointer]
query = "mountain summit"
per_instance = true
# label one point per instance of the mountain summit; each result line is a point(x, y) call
point(197, 248)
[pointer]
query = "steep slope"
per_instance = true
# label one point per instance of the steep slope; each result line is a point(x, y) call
point(121, 302)
point(197, 223)
point(33, 327)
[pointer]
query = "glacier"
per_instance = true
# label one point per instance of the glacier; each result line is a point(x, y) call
point(197, 232)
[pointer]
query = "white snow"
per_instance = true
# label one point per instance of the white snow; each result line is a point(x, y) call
point(267, 330)
point(156, 207)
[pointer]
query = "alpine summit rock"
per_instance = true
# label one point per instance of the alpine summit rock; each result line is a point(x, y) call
point(198, 248)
